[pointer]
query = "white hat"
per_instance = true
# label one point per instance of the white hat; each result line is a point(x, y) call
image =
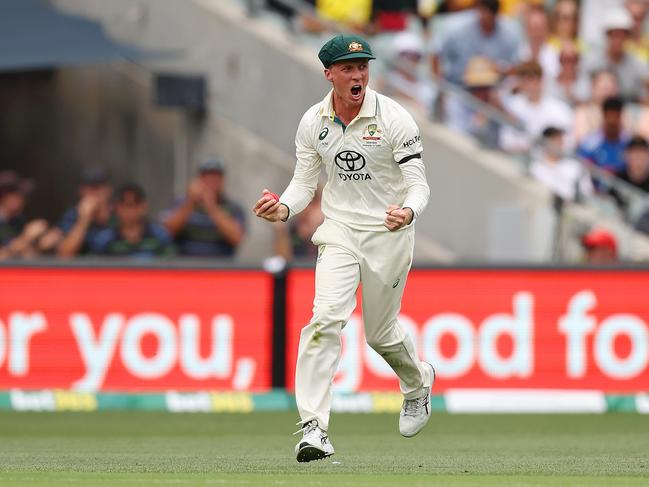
point(619, 18)
point(407, 42)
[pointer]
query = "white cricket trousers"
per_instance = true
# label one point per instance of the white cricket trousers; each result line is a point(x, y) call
point(346, 257)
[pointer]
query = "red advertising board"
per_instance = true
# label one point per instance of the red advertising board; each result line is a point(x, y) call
point(136, 329)
point(506, 329)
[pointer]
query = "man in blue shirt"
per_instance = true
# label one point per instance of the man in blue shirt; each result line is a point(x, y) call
point(605, 147)
point(482, 35)
point(206, 223)
point(92, 214)
point(133, 235)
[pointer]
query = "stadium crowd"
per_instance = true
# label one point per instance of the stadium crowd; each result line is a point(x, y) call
point(517, 75)
point(109, 221)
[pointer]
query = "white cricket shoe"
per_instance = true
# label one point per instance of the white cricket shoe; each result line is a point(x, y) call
point(314, 445)
point(415, 413)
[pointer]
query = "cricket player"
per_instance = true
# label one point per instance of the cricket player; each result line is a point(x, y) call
point(376, 187)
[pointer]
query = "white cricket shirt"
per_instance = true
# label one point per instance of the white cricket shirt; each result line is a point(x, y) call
point(375, 162)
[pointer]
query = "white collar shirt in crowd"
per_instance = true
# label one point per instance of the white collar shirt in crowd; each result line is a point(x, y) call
point(566, 178)
point(375, 162)
point(534, 118)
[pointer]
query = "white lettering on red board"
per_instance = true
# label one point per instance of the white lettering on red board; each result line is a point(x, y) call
point(576, 324)
point(14, 343)
point(116, 336)
point(476, 343)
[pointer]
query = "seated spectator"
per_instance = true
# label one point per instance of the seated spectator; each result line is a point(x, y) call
point(133, 235)
point(537, 48)
point(19, 237)
point(535, 111)
point(588, 114)
point(631, 73)
point(481, 80)
point(481, 34)
point(402, 78)
point(354, 14)
point(294, 240)
point(206, 223)
point(636, 170)
point(568, 84)
point(563, 175)
point(605, 147)
point(565, 19)
point(600, 247)
point(638, 42)
point(92, 214)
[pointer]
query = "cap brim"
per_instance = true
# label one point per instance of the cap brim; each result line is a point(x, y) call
point(352, 55)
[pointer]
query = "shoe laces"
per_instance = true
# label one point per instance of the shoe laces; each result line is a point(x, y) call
point(306, 427)
point(413, 407)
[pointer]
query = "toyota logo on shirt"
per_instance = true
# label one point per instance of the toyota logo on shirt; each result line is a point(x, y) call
point(350, 160)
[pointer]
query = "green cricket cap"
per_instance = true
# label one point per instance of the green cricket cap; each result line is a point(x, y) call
point(344, 47)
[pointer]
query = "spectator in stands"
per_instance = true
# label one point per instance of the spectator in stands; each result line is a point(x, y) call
point(206, 223)
point(588, 114)
point(133, 235)
point(605, 147)
point(19, 237)
point(638, 42)
point(481, 34)
point(600, 247)
point(564, 176)
point(402, 78)
point(481, 80)
point(92, 214)
point(565, 19)
point(353, 14)
point(535, 111)
point(537, 48)
point(294, 240)
point(568, 84)
point(631, 73)
point(636, 170)
point(369, 16)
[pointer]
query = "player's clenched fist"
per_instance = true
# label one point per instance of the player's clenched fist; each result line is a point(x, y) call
point(396, 217)
point(269, 208)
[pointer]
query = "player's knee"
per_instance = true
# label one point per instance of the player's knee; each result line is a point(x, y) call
point(328, 316)
point(376, 342)
point(385, 337)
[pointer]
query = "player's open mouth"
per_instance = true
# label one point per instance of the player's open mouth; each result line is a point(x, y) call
point(357, 91)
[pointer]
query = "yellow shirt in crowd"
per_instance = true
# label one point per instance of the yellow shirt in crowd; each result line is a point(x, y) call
point(351, 12)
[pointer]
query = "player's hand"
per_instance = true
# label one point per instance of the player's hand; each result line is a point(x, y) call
point(396, 217)
point(269, 208)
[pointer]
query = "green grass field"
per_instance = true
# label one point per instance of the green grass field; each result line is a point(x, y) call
point(141, 449)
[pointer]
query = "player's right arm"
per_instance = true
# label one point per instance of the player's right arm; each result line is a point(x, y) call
point(303, 185)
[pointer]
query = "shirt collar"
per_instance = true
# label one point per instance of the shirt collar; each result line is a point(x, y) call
point(368, 108)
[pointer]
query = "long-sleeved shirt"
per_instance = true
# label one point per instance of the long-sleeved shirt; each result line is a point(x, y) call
point(370, 164)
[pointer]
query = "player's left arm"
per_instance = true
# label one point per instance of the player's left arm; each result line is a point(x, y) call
point(407, 151)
